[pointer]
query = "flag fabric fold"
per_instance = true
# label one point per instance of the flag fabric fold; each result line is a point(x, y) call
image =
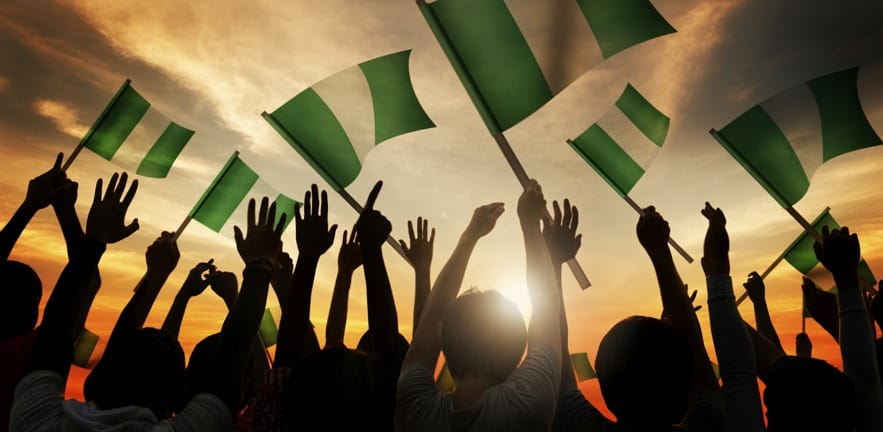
point(135, 136)
point(581, 365)
point(268, 330)
point(515, 56)
point(84, 347)
point(336, 122)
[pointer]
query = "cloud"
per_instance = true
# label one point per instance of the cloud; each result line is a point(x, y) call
point(63, 116)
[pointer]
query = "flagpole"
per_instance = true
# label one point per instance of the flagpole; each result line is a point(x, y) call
point(95, 126)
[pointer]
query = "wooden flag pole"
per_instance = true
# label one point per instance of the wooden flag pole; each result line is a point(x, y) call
point(671, 241)
point(523, 179)
point(95, 126)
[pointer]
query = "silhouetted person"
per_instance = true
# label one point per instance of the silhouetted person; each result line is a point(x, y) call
point(806, 395)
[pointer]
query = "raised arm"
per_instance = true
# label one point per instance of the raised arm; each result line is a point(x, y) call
point(757, 293)
point(839, 252)
point(822, 307)
point(653, 233)
point(426, 343)
point(314, 237)
point(348, 260)
point(732, 341)
point(197, 281)
point(419, 252)
point(53, 349)
point(42, 191)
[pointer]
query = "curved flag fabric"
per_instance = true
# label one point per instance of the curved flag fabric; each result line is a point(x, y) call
point(782, 141)
point(513, 56)
point(336, 122)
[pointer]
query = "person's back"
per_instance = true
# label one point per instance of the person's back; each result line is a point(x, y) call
point(18, 316)
point(808, 395)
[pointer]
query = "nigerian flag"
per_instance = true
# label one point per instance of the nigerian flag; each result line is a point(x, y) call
point(802, 257)
point(135, 136)
point(623, 143)
point(268, 331)
point(336, 122)
point(445, 381)
point(225, 202)
point(514, 56)
point(84, 347)
point(782, 141)
point(581, 365)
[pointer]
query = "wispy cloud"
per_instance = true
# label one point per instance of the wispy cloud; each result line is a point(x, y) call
point(63, 116)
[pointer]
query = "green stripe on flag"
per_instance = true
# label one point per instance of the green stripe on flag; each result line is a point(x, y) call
point(844, 125)
point(759, 145)
point(268, 330)
point(84, 348)
point(312, 130)
point(496, 57)
point(600, 151)
point(111, 130)
point(619, 24)
point(396, 108)
point(581, 365)
point(800, 254)
point(649, 120)
point(162, 154)
point(445, 381)
point(224, 194)
point(284, 205)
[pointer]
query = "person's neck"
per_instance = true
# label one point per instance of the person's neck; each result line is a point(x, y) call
point(469, 390)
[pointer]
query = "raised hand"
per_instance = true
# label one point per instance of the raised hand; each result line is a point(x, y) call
point(484, 219)
point(717, 242)
point(312, 232)
point(163, 254)
point(198, 279)
point(419, 250)
point(653, 231)
point(225, 285)
point(755, 287)
point(45, 188)
point(531, 204)
point(372, 226)
point(804, 345)
point(350, 256)
point(262, 241)
point(560, 235)
point(106, 220)
point(65, 193)
point(839, 252)
point(282, 276)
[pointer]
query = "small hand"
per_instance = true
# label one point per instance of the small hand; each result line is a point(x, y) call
point(804, 345)
point(43, 189)
point(653, 231)
point(531, 204)
point(262, 240)
point(484, 219)
point(163, 254)
point(106, 220)
point(372, 226)
point(350, 256)
point(717, 242)
point(311, 230)
point(839, 251)
point(198, 279)
point(282, 276)
point(755, 287)
point(225, 285)
point(420, 250)
point(561, 237)
point(65, 194)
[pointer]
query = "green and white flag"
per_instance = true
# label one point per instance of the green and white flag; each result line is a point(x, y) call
point(225, 202)
point(445, 381)
point(268, 330)
point(624, 142)
point(135, 136)
point(84, 347)
point(514, 56)
point(782, 141)
point(336, 122)
point(581, 365)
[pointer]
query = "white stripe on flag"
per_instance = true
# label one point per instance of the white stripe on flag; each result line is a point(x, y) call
point(240, 215)
point(629, 137)
point(796, 113)
point(560, 38)
point(870, 93)
point(139, 142)
point(348, 96)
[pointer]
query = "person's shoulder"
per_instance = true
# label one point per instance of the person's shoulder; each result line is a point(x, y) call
point(204, 412)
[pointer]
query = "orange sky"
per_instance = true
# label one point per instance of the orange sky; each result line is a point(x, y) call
point(214, 68)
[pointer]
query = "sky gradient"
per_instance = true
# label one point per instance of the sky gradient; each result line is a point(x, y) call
point(214, 67)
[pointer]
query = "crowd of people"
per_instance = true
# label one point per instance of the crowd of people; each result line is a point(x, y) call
point(654, 374)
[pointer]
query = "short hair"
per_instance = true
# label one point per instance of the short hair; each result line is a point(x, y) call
point(644, 368)
point(203, 371)
point(21, 302)
point(142, 367)
point(483, 335)
point(807, 394)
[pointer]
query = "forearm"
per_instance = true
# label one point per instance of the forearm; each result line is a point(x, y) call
point(383, 320)
point(13, 229)
point(765, 323)
point(135, 313)
point(296, 312)
point(335, 329)
point(567, 378)
point(70, 225)
point(544, 295)
point(421, 293)
point(735, 354)
point(766, 353)
point(172, 323)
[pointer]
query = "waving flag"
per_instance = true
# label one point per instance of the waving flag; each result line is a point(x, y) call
point(782, 141)
point(268, 330)
point(581, 365)
point(514, 56)
point(336, 122)
point(84, 347)
point(225, 202)
point(135, 136)
point(624, 142)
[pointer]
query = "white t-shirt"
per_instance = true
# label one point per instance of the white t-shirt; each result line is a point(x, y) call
point(524, 402)
point(40, 406)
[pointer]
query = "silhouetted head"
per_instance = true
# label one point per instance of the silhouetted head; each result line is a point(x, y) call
point(335, 389)
point(806, 394)
point(202, 371)
point(366, 344)
point(483, 335)
point(644, 368)
point(22, 291)
point(144, 367)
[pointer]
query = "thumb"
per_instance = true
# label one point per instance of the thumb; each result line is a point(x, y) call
point(237, 235)
point(131, 228)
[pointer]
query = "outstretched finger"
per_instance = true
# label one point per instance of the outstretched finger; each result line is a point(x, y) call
point(411, 231)
point(99, 185)
point(372, 197)
point(432, 237)
point(557, 212)
point(404, 246)
point(307, 204)
point(568, 214)
point(323, 207)
point(574, 220)
point(58, 159)
point(121, 186)
point(111, 186)
point(297, 216)
point(250, 219)
point(314, 205)
point(424, 232)
point(130, 194)
point(262, 213)
point(131, 228)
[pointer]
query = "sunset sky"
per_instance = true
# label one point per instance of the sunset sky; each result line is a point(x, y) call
point(215, 66)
